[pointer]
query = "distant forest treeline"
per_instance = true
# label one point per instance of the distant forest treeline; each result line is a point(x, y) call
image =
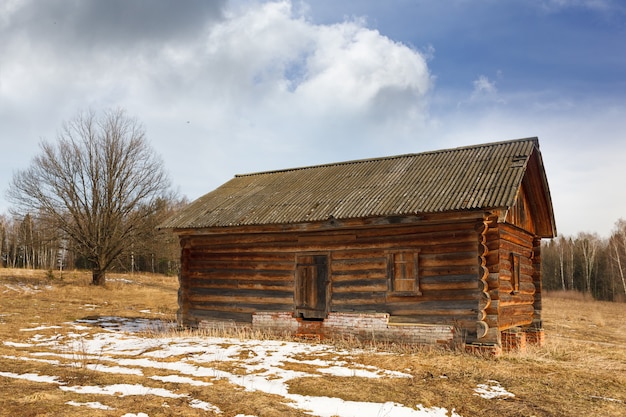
point(587, 263)
point(29, 242)
point(584, 263)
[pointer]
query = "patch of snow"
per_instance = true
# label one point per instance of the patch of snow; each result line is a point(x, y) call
point(32, 377)
point(93, 404)
point(348, 372)
point(16, 344)
point(122, 280)
point(35, 329)
point(204, 406)
point(78, 326)
point(122, 390)
point(135, 415)
point(492, 390)
point(24, 288)
point(25, 358)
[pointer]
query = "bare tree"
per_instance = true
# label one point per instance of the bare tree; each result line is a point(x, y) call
point(97, 184)
point(588, 245)
point(618, 243)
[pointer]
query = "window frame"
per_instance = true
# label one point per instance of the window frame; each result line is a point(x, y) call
point(515, 260)
point(408, 257)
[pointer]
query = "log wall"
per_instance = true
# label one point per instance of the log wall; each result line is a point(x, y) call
point(231, 276)
point(512, 303)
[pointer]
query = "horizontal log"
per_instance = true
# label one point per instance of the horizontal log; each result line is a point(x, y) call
point(235, 253)
point(448, 259)
point(516, 299)
point(234, 295)
point(452, 314)
point(506, 289)
point(266, 285)
point(326, 238)
point(363, 274)
point(438, 220)
point(354, 255)
point(196, 315)
point(430, 230)
point(237, 273)
point(516, 236)
point(445, 270)
point(438, 286)
point(209, 300)
point(357, 264)
point(510, 322)
point(359, 286)
point(522, 310)
point(240, 264)
point(368, 297)
point(462, 307)
point(508, 247)
point(451, 279)
point(451, 295)
point(462, 322)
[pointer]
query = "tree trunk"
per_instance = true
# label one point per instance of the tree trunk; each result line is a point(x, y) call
point(619, 267)
point(98, 277)
point(562, 263)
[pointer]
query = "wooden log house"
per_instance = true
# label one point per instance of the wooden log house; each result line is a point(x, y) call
point(434, 247)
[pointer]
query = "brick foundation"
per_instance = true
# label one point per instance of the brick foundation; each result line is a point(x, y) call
point(513, 340)
point(376, 327)
point(479, 349)
point(363, 326)
point(535, 337)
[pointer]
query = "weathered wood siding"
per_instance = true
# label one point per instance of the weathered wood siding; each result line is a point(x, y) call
point(512, 276)
point(231, 276)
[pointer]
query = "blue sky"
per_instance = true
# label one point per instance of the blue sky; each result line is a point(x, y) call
point(235, 86)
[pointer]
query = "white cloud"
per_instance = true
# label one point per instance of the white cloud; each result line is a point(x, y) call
point(485, 90)
point(263, 87)
point(482, 85)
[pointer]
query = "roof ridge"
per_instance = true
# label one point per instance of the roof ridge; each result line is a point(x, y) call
point(390, 157)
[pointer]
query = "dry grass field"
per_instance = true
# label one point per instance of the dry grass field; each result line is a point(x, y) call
point(72, 349)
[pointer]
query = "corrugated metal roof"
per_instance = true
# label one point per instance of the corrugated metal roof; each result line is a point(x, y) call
point(475, 177)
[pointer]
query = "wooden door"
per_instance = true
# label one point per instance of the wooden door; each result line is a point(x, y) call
point(311, 294)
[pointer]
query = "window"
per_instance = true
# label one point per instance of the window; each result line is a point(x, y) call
point(515, 272)
point(403, 272)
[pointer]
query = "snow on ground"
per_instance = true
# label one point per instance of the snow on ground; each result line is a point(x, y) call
point(119, 347)
point(492, 389)
point(22, 288)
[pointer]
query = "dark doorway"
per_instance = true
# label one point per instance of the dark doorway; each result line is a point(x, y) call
point(311, 295)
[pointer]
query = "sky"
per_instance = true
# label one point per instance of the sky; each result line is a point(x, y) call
point(236, 86)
